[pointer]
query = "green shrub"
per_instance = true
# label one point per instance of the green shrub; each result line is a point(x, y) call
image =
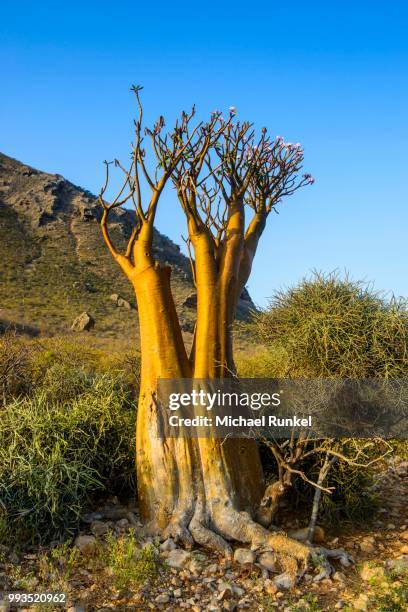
point(72, 437)
point(15, 358)
point(333, 327)
point(131, 566)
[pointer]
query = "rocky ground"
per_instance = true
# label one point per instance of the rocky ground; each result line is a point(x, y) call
point(111, 566)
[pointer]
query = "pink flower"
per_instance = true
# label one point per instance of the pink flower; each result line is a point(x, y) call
point(232, 110)
point(309, 178)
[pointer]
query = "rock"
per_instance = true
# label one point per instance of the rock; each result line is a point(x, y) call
point(269, 561)
point(225, 591)
point(122, 524)
point(99, 528)
point(361, 602)
point(404, 549)
point(368, 571)
point(122, 303)
point(284, 581)
point(167, 545)
point(76, 609)
point(238, 591)
point(340, 604)
point(84, 322)
point(391, 526)
point(85, 543)
point(301, 534)
point(404, 535)
point(339, 577)
point(244, 555)
point(178, 557)
point(163, 598)
point(211, 569)
point(177, 593)
point(119, 301)
point(195, 566)
point(367, 545)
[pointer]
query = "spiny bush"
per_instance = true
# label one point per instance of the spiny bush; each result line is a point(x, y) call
point(333, 327)
point(15, 359)
point(73, 436)
point(130, 565)
point(73, 354)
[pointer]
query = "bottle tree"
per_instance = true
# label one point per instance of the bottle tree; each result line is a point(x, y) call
point(228, 180)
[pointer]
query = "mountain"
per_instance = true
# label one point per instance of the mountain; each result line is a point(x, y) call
point(54, 264)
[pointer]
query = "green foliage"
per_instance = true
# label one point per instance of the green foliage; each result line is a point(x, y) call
point(73, 436)
point(334, 327)
point(15, 356)
point(58, 566)
point(130, 566)
point(352, 500)
point(307, 603)
point(271, 363)
point(387, 589)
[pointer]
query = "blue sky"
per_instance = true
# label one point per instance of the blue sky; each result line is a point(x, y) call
point(332, 76)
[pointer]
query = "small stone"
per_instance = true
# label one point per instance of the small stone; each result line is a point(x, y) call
point(404, 549)
point(284, 581)
point(212, 569)
point(195, 566)
point(85, 543)
point(84, 322)
point(76, 609)
point(177, 593)
point(122, 303)
point(391, 526)
point(302, 534)
point(404, 535)
point(122, 523)
point(163, 598)
point(99, 528)
point(340, 604)
point(244, 555)
point(361, 602)
point(225, 591)
point(367, 546)
point(178, 557)
point(238, 591)
point(270, 587)
point(168, 545)
point(114, 297)
point(339, 577)
point(269, 561)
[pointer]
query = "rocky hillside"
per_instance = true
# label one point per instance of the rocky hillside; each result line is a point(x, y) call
point(54, 264)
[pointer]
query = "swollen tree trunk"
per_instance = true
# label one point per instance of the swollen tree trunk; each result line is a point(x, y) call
point(203, 489)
